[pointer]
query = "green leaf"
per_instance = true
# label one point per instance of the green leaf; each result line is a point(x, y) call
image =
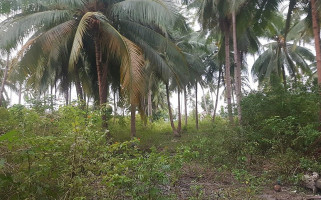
point(2, 162)
point(10, 136)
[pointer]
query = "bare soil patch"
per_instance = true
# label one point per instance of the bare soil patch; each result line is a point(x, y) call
point(199, 182)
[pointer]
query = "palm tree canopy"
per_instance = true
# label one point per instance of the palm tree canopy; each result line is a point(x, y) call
point(129, 33)
point(274, 57)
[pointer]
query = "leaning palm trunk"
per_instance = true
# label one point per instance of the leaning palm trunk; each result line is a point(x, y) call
point(228, 75)
point(176, 134)
point(179, 126)
point(196, 110)
point(237, 60)
point(217, 92)
point(292, 4)
point(4, 80)
point(133, 121)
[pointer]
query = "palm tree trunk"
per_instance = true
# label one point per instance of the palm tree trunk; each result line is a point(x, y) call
point(212, 99)
point(143, 106)
point(20, 93)
point(185, 104)
point(292, 4)
point(283, 76)
point(149, 106)
point(228, 75)
point(237, 60)
point(196, 110)
point(179, 126)
point(69, 92)
point(115, 107)
point(80, 95)
point(233, 97)
point(133, 121)
point(217, 92)
point(204, 99)
point(55, 90)
point(102, 80)
point(67, 96)
point(5, 76)
point(316, 33)
point(176, 134)
point(44, 98)
point(51, 97)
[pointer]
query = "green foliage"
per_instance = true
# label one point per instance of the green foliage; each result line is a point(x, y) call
point(277, 118)
point(5, 123)
point(207, 104)
point(160, 114)
point(41, 104)
point(132, 174)
point(280, 125)
point(197, 192)
point(64, 155)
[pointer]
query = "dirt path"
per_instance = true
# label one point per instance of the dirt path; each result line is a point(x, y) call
point(285, 194)
point(198, 183)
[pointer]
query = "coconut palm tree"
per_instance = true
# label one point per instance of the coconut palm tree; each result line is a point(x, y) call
point(105, 34)
point(217, 16)
point(316, 32)
point(280, 56)
point(195, 49)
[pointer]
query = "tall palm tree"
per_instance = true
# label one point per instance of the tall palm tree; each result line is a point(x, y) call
point(237, 7)
point(104, 33)
point(316, 32)
point(214, 67)
point(217, 16)
point(315, 12)
point(214, 15)
point(195, 49)
point(175, 73)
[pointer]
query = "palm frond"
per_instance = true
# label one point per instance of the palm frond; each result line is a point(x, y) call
point(159, 12)
point(132, 75)
point(131, 56)
point(16, 29)
point(168, 50)
point(77, 46)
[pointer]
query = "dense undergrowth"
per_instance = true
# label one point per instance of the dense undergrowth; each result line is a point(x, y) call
point(65, 155)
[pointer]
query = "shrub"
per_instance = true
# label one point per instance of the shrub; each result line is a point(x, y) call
point(277, 118)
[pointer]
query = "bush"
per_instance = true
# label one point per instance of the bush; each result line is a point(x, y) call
point(64, 155)
point(277, 118)
point(301, 102)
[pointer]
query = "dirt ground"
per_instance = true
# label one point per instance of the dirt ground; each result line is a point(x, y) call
point(198, 183)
